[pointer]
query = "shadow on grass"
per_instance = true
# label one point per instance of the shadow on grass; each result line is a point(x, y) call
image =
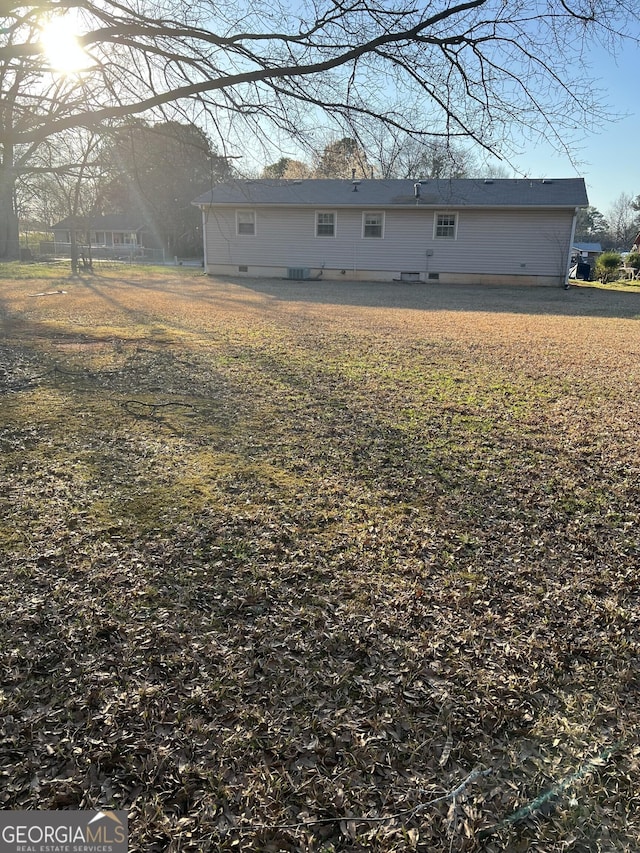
point(289, 604)
point(579, 300)
point(289, 610)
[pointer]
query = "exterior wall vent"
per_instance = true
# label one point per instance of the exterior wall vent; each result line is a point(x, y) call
point(409, 276)
point(298, 273)
point(434, 276)
point(243, 268)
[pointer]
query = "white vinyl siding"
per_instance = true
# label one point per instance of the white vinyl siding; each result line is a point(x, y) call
point(488, 241)
point(326, 223)
point(246, 223)
point(373, 224)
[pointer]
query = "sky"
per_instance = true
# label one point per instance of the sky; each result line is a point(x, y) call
point(609, 156)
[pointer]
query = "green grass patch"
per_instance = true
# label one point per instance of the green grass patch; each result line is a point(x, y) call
point(52, 271)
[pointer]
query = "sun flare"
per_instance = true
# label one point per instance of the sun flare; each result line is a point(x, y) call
point(61, 46)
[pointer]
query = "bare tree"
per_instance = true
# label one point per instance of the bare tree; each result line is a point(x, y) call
point(342, 158)
point(467, 70)
point(287, 168)
point(624, 221)
point(65, 176)
point(71, 177)
point(416, 158)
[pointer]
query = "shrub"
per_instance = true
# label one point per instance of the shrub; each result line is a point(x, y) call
point(607, 266)
point(633, 260)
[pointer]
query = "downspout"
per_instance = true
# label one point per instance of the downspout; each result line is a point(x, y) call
point(573, 234)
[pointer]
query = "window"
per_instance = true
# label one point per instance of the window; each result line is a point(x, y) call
point(445, 225)
point(372, 224)
point(246, 222)
point(325, 224)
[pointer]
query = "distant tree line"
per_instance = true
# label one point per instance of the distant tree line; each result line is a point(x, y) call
point(615, 231)
point(387, 158)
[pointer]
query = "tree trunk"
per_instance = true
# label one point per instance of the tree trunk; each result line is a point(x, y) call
point(73, 236)
point(88, 260)
point(9, 241)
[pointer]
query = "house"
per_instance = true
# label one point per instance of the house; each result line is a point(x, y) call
point(114, 231)
point(587, 253)
point(468, 231)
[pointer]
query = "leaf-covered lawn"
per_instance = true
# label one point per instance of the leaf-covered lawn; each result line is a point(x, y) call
point(315, 567)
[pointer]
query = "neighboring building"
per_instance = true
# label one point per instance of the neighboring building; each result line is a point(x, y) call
point(113, 231)
point(469, 231)
point(588, 253)
point(583, 260)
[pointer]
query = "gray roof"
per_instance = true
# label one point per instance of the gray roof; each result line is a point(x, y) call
point(460, 192)
point(108, 222)
point(588, 247)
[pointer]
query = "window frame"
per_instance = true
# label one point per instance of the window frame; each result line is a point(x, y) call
point(450, 214)
point(319, 213)
point(379, 213)
point(246, 210)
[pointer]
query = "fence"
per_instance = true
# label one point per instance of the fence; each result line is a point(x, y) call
point(125, 253)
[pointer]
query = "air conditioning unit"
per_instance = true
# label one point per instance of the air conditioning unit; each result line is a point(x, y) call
point(298, 273)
